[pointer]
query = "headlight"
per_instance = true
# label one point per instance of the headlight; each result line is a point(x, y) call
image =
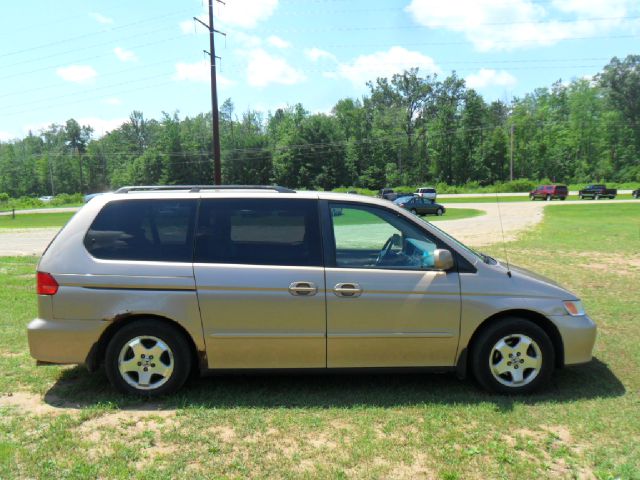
point(574, 307)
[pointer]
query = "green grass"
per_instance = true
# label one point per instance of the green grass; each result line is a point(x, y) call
point(72, 425)
point(35, 220)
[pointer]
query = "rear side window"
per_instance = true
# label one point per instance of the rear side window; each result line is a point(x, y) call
point(150, 230)
point(259, 232)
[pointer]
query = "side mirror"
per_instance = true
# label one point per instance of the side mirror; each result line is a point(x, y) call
point(442, 259)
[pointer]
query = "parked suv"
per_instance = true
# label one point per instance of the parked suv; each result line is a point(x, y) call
point(427, 192)
point(549, 192)
point(154, 283)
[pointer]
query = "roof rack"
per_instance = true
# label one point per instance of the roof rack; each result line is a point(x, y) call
point(198, 188)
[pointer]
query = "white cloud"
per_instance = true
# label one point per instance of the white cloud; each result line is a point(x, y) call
point(125, 55)
point(314, 54)
point(113, 101)
point(264, 69)
point(385, 64)
point(101, 18)
point(487, 77)
point(500, 25)
point(77, 73)
point(278, 42)
point(199, 72)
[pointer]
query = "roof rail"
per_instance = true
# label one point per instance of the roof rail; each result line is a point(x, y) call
point(198, 188)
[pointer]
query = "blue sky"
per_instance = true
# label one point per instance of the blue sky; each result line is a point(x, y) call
point(96, 61)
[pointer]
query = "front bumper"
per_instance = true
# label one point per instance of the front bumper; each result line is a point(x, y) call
point(578, 337)
point(63, 341)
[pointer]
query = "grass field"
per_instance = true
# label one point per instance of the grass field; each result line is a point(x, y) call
point(62, 422)
point(35, 220)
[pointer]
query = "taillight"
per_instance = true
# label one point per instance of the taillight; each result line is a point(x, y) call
point(46, 284)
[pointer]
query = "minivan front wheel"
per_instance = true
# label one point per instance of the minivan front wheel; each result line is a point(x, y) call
point(148, 358)
point(513, 356)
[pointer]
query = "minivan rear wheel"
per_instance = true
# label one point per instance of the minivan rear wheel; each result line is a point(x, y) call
point(513, 356)
point(148, 358)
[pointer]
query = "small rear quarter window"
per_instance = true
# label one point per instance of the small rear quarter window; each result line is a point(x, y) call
point(145, 230)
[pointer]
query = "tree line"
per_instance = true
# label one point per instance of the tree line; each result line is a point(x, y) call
point(407, 130)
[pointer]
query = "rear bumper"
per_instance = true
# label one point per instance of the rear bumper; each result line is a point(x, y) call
point(63, 341)
point(578, 337)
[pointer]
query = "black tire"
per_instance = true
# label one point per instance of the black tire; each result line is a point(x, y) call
point(483, 354)
point(414, 211)
point(439, 212)
point(563, 198)
point(178, 356)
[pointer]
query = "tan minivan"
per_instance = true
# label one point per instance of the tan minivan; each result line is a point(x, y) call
point(154, 282)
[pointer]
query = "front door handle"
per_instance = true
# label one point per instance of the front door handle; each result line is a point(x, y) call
point(347, 290)
point(303, 289)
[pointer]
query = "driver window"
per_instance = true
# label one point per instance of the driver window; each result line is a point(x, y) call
point(370, 237)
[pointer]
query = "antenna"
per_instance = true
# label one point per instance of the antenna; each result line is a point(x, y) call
point(504, 244)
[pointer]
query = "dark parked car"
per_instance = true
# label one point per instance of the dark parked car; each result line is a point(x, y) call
point(391, 195)
point(549, 192)
point(420, 205)
point(597, 192)
point(636, 193)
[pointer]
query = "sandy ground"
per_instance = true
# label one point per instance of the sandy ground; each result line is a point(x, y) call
point(517, 217)
point(512, 218)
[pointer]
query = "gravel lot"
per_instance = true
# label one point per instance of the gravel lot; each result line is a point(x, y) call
point(517, 217)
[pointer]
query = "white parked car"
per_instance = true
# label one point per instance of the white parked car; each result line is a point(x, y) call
point(427, 192)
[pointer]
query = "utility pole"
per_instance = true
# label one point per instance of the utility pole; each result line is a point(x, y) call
point(215, 119)
point(53, 192)
point(511, 163)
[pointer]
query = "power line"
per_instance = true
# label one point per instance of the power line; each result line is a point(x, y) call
point(86, 59)
point(80, 37)
point(237, 67)
point(303, 148)
point(109, 42)
point(279, 29)
point(103, 75)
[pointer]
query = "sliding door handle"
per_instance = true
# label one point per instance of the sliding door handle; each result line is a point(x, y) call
point(347, 290)
point(303, 289)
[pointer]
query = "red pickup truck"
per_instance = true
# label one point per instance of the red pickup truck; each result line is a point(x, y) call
point(549, 192)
